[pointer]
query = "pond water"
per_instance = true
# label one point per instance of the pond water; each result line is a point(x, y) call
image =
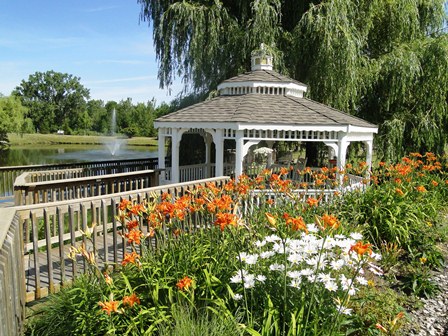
point(54, 154)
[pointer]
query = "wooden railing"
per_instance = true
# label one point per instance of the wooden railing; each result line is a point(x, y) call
point(71, 186)
point(49, 229)
point(12, 280)
point(10, 173)
point(50, 175)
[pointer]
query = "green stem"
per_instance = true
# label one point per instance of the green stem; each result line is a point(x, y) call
point(240, 262)
point(314, 287)
point(284, 287)
point(344, 298)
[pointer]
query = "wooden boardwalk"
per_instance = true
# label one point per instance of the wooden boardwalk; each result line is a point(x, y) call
point(63, 269)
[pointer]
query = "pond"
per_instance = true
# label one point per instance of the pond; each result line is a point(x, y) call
point(54, 154)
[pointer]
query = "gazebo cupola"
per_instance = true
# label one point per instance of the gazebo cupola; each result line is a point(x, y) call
point(261, 60)
point(261, 105)
point(262, 79)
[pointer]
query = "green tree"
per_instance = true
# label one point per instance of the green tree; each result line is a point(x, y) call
point(135, 120)
point(385, 61)
point(11, 117)
point(55, 100)
point(99, 115)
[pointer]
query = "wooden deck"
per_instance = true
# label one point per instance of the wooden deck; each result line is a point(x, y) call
point(63, 269)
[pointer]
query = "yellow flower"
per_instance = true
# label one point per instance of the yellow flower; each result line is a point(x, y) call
point(108, 279)
point(271, 219)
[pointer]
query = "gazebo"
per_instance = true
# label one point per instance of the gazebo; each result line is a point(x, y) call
point(260, 105)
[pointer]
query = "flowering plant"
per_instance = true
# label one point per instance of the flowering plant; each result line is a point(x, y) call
point(290, 274)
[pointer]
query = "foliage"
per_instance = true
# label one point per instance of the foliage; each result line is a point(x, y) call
point(54, 100)
point(11, 117)
point(400, 214)
point(79, 306)
point(187, 322)
point(386, 61)
point(257, 256)
point(136, 120)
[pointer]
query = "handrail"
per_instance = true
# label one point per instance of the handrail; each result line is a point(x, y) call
point(10, 173)
point(12, 282)
point(49, 175)
point(80, 187)
point(59, 225)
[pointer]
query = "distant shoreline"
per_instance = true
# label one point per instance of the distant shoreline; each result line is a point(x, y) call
point(55, 139)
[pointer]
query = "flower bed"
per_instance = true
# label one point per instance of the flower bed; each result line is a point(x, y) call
point(286, 267)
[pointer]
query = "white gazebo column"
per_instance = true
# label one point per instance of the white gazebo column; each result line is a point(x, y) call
point(218, 139)
point(208, 146)
point(161, 151)
point(270, 161)
point(239, 155)
point(176, 137)
point(369, 150)
point(342, 151)
point(241, 150)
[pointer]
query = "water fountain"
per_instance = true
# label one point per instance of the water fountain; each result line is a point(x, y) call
point(114, 145)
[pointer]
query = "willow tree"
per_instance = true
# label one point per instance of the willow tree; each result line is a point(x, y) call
point(385, 61)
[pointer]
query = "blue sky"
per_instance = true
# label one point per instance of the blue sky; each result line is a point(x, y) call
point(100, 41)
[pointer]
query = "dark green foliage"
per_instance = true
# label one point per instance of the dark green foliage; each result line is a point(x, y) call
point(385, 61)
point(54, 100)
point(74, 311)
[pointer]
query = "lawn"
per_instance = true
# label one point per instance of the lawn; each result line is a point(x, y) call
point(36, 139)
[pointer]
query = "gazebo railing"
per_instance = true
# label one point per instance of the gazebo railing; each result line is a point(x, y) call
point(197, 171)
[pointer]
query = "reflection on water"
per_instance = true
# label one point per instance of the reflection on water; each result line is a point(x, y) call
point(53, 154)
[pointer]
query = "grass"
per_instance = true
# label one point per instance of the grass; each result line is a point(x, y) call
point(17, 140)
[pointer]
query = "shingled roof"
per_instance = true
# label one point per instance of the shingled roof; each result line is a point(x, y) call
point(263, 76)
point(261, 97)
point(264, 109)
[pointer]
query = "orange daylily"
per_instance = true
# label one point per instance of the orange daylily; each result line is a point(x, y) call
point(134, 236)
point(131, 300)
point(312, 202)
point(132, 224)
point(330, 221)
point(109, 306)
point(361, 248)
point(297, 224)
point(124, 204)
point(420, 188)
point(130, 258)
point(184, 283)
point(225, 219)
point(137, 209)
